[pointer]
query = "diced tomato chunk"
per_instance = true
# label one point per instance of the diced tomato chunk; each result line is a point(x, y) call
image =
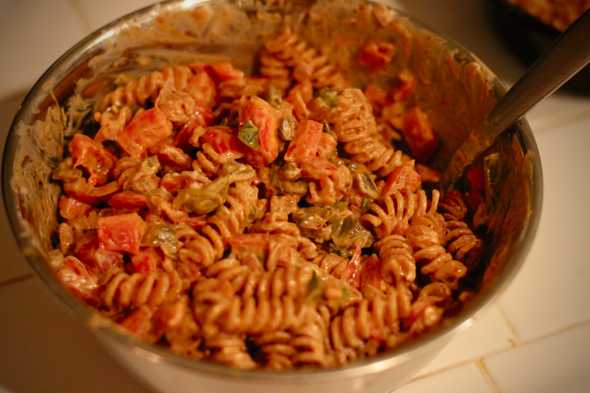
point(405, 86)
point(475, 177)
point(319, 168)
point(224, 71)
point(174, 157)
point(222, 140)
point(403, 177)
point(139, 322)
point(201, 118)
point(71, 208)
point(92, 156)
point(84, 192)
point(327, 146)
point(146, 130)
point(96, 259)
point(128, 200)
point(353, 269)
point(174, 182)
point(428, 174)
point(146, 261)
point(419, 134)
point(202, 88)
point(121, 232)
point(376, 54)
point(376, 96)
point(266, 119)
point(304, 147)
point(74, 275)
point(370, 273)
point(196, 223)
point(254, 242)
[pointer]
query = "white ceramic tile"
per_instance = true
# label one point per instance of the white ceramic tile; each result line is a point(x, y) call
point(555, 364)
point(45, 350)
point(552, 290)
point(11, 263)
point(98, 13)
point(558, 110)
point(464, 379)
point(489, 333)
point(34, 34)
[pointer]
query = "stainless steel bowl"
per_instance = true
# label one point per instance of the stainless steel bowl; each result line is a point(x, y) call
point(454, 87)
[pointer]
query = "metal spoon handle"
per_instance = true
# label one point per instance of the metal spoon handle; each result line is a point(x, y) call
point(568, 55)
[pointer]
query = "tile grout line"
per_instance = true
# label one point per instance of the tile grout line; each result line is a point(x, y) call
point(16, 280)
point(460, 364)
point(497, 352)
point(487, 376)
point(75, 4)
point(517, 339)
point(557, 332)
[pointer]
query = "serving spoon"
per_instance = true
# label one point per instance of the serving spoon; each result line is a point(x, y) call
point(569, 54)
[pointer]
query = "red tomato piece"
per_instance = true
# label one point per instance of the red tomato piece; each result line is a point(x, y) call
point(202, 88)
point(70, 208)
point(319, 169)
point(174, 158)
point(84, 192)
point(223, 140)
point(353, 269)
point(201, 118)
point(266, 119)
point(147, 129)
point(146, 261)
point(427, 173)
point(403, 177)
point(75, 276)
point(304, 147)
point(376, 54)
point(96, 259)
point(128, 200)
point(405, 86)
point(224, 71)
point(370, 272)
point(376, 96)
point(92, 156)
point(174, 182)
point(327, 146)
point(139, 322)
point(475, 195)
point(196, 223)
point(419, 134)
point(121, 232)
point(255, 242)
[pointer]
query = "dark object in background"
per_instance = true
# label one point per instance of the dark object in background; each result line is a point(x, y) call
point(528, 37)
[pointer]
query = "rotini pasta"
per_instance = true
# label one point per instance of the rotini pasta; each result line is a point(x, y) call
point(263, 220)
point(124, 290)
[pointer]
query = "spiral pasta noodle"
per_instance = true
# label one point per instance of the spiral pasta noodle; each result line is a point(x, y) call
point(230, 219)
point(459, 238)
point(138, 91)
point(286, 56)
point(397, 259)
point(380, 314)
point(355, 127)
point(231, 350)
point(426, 235)
point(124, 290)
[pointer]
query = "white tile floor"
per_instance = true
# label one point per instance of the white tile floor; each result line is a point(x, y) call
point(536, 338)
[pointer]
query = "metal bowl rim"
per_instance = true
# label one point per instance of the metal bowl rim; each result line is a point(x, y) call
point(365, 367)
